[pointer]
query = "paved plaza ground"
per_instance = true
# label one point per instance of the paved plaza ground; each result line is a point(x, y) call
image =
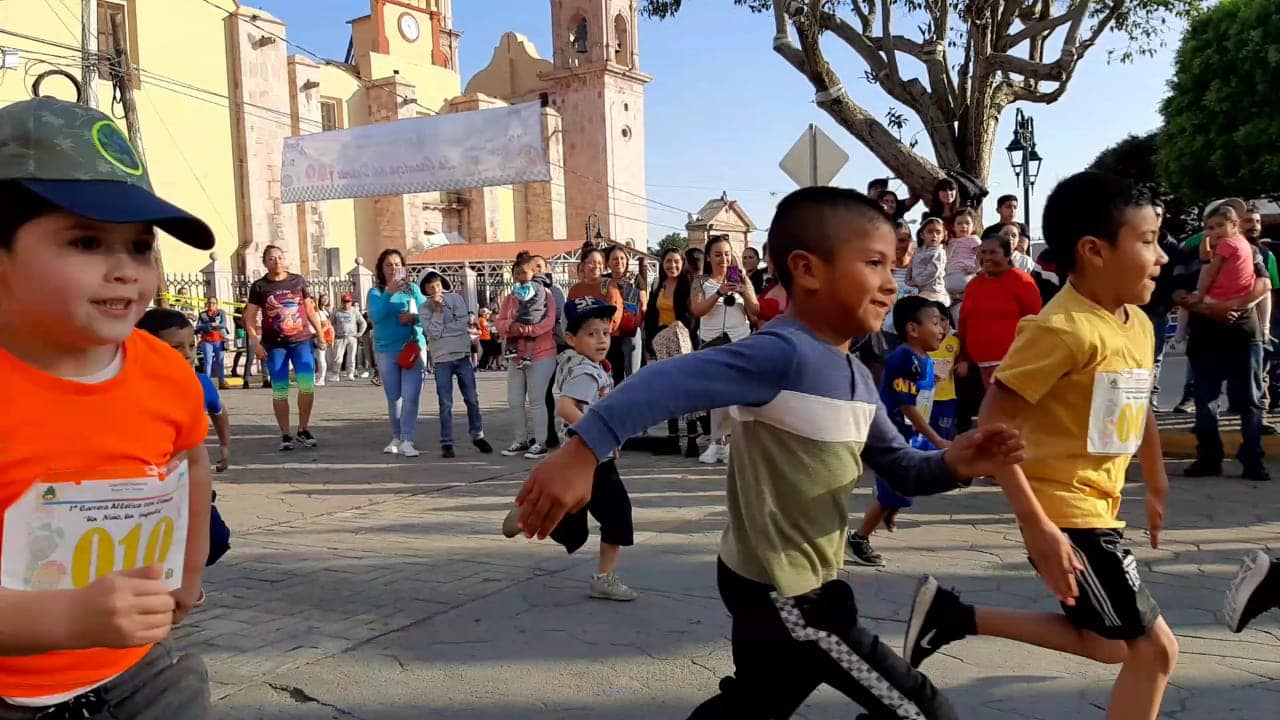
point(364, 586)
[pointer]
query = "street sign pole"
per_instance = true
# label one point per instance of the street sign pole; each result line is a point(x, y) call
point(813, 154)
point(814, 159)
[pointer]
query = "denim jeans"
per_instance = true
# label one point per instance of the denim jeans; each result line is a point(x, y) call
point(1241, 368)
point(403, 389)
point(466, 374)
point(527, 388)
point(213, 364)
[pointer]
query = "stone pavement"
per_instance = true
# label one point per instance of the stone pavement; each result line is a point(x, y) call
point(373, 587)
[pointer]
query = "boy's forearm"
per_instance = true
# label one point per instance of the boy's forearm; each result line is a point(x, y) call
point(1005, 407)
point(1151, 457)
point(34, 622)
point(567, 410)
point(921, 425)
point(222, 426)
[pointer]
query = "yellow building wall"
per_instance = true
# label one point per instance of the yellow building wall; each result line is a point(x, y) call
point(186, 132)
point(340, 215)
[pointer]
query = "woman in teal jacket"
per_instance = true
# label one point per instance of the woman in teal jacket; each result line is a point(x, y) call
point(393, 305)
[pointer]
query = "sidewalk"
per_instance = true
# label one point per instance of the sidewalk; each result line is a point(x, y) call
point(367, 586)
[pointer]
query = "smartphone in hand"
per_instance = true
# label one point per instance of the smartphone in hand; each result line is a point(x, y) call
point(734, 276)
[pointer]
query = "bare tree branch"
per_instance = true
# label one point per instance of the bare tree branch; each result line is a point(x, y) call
point(915, 170)
point(864, 20)
point(1044, 27)
point(886, 31)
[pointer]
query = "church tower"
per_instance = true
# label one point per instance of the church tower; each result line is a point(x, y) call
point(598, 89)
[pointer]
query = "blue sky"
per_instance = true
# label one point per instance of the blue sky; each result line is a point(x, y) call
point(723, 108)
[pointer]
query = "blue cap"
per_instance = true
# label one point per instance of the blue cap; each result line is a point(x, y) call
point(587, 308)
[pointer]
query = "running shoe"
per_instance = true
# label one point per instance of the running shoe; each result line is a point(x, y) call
point(306, 438)
point(1202, 468)
point(860, 552)
point(711, 455)
point(286, 443)
point(937, 618)
point(1256, 472)
point(447, 452)
point(607, 586)
point(516, 448)
point(1255, 589)
point(537, 451)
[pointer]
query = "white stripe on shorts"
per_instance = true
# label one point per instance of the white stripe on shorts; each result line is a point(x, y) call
point(1094, 589)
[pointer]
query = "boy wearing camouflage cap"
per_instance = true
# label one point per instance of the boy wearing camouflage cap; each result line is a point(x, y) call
point(103, 539)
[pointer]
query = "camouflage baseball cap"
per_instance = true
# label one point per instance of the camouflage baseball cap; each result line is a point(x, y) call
point(76, 158)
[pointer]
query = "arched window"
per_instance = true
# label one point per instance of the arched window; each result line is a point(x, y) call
point(622, 42)
point(578, 35)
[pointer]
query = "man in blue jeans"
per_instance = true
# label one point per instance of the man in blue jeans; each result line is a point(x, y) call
point(444, 319)
point(1225, 345)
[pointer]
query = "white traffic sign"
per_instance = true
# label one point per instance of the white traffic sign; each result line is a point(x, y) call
point(814, 159)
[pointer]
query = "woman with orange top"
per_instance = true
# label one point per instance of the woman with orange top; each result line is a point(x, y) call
point(593, 283)
point(994, 301)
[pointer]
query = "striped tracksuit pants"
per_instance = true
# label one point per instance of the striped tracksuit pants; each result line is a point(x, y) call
point(784, 648)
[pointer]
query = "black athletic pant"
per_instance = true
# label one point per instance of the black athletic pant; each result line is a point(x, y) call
point(784, 648)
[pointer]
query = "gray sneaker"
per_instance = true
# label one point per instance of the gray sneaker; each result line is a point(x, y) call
point(609, 587)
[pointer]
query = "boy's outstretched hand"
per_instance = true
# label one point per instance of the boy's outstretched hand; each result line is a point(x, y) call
point(984, 451)
point(558, 485)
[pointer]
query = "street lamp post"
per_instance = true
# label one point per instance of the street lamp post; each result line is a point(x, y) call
point(593, 223)
point(1025, 161)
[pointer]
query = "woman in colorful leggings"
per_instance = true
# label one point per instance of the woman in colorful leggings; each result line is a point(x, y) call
point(285, 339)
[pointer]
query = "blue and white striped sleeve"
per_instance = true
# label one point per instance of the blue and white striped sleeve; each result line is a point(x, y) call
point(751, 372)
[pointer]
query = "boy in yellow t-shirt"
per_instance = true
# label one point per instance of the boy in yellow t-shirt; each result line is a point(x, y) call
point(943, 418)
point(1077, 383)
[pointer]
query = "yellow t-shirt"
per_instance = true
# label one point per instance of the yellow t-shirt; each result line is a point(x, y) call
point(944, 367)
point(666, 311)
point(1088, 374)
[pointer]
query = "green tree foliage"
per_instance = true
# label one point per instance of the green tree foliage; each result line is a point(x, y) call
point(670, 240)
point(1221, 134)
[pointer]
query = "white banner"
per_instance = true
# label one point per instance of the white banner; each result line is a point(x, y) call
point(500, 146)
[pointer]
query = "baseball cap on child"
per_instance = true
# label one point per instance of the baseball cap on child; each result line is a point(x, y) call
point(78, 159)
point(587, 308)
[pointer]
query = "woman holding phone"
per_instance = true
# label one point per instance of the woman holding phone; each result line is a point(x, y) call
point(723, 301)
point(399, 347)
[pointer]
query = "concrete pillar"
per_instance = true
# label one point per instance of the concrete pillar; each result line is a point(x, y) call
point(218, 279)
point(362, 281)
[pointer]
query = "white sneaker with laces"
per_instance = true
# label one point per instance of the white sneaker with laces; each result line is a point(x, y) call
point(607, 586)
point(392, 448)
point(537, 451)
point(711, 455)
point(408, 450)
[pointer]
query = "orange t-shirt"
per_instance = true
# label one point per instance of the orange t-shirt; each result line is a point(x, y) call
point(150, 411)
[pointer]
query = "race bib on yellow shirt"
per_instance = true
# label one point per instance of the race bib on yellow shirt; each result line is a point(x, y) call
point(1118, 413)
point(942, 369)
point(69, 530)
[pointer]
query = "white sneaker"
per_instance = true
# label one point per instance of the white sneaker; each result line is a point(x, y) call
point(408, 450)
point(351, 376)
point(711, 455)
point(334, 377)
point(319, 382)
point(609, 587)
point(392, 448)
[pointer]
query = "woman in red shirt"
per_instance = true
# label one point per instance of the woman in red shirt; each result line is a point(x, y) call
point(994, 302)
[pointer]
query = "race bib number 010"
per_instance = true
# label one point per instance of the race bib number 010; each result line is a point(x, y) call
point(66, 532)
point(1118, 413)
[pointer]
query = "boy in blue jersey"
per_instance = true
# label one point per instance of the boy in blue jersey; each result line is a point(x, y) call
point(805, 417)
point(175, 329)
point(907, 391)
